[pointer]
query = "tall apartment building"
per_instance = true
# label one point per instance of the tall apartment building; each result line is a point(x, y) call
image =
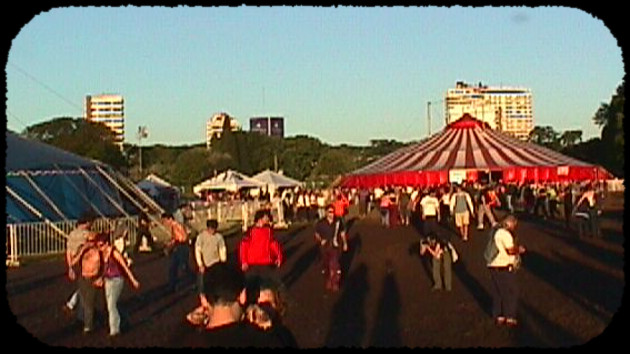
point(508, 109)
point(214, 126)
point(271, 126)
point(109, 110)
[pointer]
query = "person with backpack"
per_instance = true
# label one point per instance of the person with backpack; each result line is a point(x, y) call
point(503, 257)
point(116, 269)
point(90, 260)
point(461, 207)
point(76, 239)
point(330, 235)
point(178, 249)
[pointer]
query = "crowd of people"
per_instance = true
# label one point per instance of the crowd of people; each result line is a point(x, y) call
point(243, 305)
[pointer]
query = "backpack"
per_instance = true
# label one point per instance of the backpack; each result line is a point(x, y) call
point(92, 262)
point(491, 251)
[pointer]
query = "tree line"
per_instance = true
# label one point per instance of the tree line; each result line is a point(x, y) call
point(301, 157)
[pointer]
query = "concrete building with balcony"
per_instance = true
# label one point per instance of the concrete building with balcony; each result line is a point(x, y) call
point(508, 109)
point(214, 126)
point(108, 109)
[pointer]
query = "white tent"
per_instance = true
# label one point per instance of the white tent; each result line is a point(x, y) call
point(274, 180)
point(229, 180)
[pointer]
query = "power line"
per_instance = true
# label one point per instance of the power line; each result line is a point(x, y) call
point(48, 88)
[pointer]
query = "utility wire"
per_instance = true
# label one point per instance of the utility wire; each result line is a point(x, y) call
point(48, 88)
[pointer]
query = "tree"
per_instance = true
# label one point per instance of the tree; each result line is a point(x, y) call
point(545, 136)
point(610, 118)
point(570, 138)
point(79, 136)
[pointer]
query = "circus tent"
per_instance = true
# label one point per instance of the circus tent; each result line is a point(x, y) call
point(469, 147)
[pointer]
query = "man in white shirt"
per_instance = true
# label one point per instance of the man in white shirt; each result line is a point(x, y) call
point(430, 213)
point(209, 249)
point(502, 255)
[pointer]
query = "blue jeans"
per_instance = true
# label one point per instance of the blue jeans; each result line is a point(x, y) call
point(385, 217)
point(505, 294)
point(113, 289)
point(179, 259)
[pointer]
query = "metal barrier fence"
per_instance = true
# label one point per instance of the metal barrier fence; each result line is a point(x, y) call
point(227, 212)
point(41, 239)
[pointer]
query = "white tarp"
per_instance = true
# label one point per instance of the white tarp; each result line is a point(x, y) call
point(229, 180)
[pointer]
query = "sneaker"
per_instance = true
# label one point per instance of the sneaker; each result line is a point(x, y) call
point(479, 227)
point(499, 321)
point(435, 288)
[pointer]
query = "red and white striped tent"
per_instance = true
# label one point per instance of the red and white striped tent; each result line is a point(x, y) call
point(468, 147)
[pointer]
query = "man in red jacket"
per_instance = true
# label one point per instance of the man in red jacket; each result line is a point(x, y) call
point(260, 254)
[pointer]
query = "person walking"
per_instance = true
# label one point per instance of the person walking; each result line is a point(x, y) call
point(178, 249)
point(116, 269)
point(590, 198)
point(209, 249)
point(330, 235)
point(76, 239)
point(89, 258)
point(462, 207)
point(430, 213)
point(384, 205)
point(144, 233)
point(259, 252)
point(485, 208)
point(503, 257)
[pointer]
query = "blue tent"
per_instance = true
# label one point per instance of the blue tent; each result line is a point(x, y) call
point(47, 183)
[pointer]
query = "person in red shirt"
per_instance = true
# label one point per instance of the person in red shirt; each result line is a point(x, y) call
point(259, 252)
point(340, 205)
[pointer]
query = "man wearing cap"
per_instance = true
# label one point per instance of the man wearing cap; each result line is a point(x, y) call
point(502, 255)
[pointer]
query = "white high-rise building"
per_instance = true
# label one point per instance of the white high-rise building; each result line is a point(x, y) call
point(508, 109)
point(214, 126)
point(109, 110)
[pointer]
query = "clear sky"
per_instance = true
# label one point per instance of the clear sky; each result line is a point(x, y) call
point(343, 75)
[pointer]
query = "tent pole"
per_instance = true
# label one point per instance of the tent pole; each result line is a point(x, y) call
point(43, 195)
point(80, 193)
point(140, 194)
point(124, 192)
point(131, 199)
point(35, 211)
point(116, 205)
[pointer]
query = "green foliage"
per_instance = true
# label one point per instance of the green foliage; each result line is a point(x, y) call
point(610, 118)
point(77, 135)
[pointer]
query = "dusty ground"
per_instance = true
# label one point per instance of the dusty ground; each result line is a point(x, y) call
point(571, 290)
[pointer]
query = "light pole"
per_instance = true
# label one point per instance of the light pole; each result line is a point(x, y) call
point(142, 133)
point(429, 113)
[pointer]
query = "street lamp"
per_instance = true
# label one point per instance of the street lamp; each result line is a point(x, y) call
point(429, 113)
point(142, 133)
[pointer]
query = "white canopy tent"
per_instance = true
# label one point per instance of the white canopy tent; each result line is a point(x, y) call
point(229, 180)
point(274, 180)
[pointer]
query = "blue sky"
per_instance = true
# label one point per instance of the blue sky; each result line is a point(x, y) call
point(343, 75)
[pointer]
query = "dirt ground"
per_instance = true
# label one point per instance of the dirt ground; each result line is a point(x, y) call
point(571, 293)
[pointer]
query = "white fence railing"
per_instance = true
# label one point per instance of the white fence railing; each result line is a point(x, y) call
point(40, 238)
